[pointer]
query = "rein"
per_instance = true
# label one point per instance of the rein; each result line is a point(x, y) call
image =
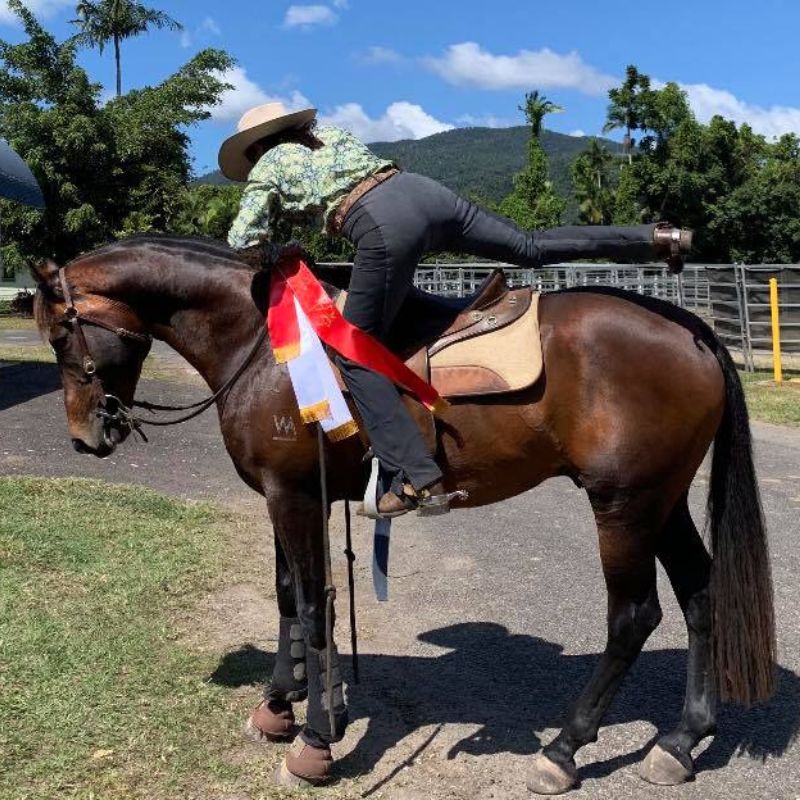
point(110, 408)
point(201, 405)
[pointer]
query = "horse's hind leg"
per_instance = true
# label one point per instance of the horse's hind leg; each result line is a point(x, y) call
point(688, 566)
point(273, 718)
point(628, 557)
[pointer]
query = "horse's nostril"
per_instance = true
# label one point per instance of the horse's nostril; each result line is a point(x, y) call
point(80, 446)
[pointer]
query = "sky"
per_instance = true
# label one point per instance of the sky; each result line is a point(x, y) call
point(399, 69)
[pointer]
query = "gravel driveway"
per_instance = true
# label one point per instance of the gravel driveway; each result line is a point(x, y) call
point(495, 619)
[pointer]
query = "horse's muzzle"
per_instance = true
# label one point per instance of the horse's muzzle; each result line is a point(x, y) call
point(103, 450)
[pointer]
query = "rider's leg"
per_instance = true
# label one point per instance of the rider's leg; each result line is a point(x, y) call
point(416, 207)
point(383, 272)
point(489, 235)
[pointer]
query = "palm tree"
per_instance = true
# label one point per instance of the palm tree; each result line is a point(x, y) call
point(104, 21)
point(590, 179)
point(626, 107)
point(598, 159)
point(536, 108)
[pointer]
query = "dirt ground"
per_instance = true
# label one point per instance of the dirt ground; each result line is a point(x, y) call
point(495, 620)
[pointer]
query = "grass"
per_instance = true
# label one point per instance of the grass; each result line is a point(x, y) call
point(11, 323)
point(29, 353)
point(100, 699)
point(154, 368)
point(771, 402)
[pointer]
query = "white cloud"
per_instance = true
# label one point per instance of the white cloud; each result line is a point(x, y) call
point(209, 25)
point(341, 4)
point(246, 94)
point(486, 121)
point(706, 101)
point(468, 64)
point(577, 132)
point(380, 55)
point(41, 8)
point(307, 16)
point(401, 120)
point(206, 29)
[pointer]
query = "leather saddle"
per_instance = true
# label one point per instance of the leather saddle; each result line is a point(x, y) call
point(484, 344)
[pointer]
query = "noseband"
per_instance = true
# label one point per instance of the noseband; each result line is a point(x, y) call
point(109, 407)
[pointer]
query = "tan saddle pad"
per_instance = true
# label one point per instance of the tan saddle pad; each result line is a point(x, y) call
point(491, 346)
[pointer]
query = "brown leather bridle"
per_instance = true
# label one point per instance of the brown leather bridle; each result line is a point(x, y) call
point(109, 407)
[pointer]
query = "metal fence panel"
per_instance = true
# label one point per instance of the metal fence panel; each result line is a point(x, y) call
point(754, 282)
point(460, 280)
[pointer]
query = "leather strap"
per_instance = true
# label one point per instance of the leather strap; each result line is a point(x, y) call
point(338, 217)
point(72, 313)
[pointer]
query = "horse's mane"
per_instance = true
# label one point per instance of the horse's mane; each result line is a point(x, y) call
point(203, 252)
point(199, 248)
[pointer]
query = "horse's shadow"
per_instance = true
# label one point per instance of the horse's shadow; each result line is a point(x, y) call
point(513, 685)
point(22, 382)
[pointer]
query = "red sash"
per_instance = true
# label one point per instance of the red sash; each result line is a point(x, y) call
point(293, 279)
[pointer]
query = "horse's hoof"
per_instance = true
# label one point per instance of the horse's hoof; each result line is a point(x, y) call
point(272, 722)
point(304, 765)
point(547, 777)
point(664, 769)
point(286, 778)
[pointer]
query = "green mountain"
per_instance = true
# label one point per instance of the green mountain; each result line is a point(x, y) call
point(481, 162)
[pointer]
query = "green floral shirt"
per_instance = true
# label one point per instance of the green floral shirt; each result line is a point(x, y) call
point(292, 185)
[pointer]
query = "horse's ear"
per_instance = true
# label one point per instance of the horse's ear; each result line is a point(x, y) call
point(46, 275)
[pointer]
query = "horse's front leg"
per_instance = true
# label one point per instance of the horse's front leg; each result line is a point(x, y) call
point(297, 518)
point(273, 718)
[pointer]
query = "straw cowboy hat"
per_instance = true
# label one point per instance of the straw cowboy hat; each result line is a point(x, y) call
point(257, 123)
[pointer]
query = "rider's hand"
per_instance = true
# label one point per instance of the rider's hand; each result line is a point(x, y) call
point(294, 250)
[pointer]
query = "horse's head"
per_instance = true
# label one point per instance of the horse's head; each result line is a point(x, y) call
point(100, 344)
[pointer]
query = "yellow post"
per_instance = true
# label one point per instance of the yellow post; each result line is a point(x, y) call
point(776, 330)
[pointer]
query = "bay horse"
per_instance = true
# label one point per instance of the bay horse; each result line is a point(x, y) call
point(634, 393)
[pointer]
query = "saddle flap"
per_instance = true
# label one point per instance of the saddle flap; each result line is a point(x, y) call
point(493, 360)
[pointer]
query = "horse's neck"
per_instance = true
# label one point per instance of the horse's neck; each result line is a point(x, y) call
point(204, 313)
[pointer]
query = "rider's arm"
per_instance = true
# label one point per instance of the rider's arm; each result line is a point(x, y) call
point(257, 215)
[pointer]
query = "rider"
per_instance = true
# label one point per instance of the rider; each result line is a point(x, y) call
point(298, 173)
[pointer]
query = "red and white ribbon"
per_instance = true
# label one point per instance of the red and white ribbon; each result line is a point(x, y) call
point(301, 316)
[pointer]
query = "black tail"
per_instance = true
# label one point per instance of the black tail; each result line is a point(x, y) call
point(741, 579)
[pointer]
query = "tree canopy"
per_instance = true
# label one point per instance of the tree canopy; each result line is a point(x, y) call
point(105, 170)
point(737, 190)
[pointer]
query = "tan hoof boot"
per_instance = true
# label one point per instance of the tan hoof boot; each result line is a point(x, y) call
point(271, 721)
point(547, 777)
point(304, 765)
point(661, 768)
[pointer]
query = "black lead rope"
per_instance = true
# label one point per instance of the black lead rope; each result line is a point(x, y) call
point(201, 405)
point(351, 584)
point(330, 589)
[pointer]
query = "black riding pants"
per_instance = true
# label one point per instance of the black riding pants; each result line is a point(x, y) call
point(393, 227)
